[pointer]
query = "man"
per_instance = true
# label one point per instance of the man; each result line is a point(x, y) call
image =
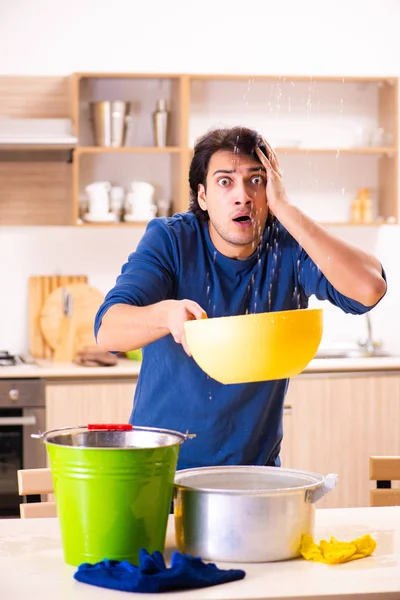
point(242, 247)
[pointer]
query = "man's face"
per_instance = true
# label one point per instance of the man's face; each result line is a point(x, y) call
point(235, 198)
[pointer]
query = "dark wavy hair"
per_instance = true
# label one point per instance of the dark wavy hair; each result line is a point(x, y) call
point(240, 140)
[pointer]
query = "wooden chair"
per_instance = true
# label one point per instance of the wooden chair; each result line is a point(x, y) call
point(384, 470)
point(36, 481)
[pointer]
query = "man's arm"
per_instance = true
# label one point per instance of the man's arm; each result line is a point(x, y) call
point(351, 271)
point(141, 308)
point(125, 327)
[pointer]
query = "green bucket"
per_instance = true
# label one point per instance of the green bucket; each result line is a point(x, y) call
point(113, 486)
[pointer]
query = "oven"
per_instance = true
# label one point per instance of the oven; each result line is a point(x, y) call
point(22, 412)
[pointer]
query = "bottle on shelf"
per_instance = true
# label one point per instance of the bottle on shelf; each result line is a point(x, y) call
point(367, 208)
point(356, 210)
point(161, 124)
point(362, 207)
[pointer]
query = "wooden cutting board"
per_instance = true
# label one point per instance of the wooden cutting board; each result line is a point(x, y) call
point(85, 304)
point(39, 289)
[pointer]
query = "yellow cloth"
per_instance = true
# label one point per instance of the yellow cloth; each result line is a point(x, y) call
point(334, 551)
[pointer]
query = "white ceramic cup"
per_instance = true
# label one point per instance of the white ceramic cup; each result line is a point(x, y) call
point(99, 198)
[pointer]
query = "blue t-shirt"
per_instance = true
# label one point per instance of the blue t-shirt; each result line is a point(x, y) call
point(238, 424)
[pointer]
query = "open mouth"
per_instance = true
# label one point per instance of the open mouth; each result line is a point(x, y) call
point(243, 221)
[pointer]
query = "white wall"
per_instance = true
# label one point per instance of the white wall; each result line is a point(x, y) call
point(345, 37)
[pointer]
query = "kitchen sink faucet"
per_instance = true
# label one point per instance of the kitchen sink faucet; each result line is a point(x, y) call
point(369, 344)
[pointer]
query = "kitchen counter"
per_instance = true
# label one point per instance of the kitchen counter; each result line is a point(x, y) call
point(343, 365)
point(32, 547)
point(46, 369)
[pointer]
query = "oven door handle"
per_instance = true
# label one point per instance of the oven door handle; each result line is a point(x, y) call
point(9, 421)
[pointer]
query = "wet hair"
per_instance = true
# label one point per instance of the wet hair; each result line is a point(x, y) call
point(240, 140)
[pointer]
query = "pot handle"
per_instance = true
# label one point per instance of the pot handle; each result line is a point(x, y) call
point(329, 484)
point(110, 427)
point(42, 436)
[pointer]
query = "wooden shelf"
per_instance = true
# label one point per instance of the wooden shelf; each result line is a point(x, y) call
point(127, 150)
point(355, 150)
point(351, 224)
point(128, 75)
point(114, 224)
point(296, 78)
point(325, 224)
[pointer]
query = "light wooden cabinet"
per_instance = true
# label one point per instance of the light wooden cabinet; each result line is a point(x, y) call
point(81, 402)
point(333, 424)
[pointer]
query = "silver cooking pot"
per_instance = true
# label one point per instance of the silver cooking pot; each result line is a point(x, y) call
point(246, 513)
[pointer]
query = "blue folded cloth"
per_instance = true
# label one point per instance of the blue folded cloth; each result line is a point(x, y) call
point(152, 575)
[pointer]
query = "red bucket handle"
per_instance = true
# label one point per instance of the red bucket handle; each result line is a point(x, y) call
point(110, 426)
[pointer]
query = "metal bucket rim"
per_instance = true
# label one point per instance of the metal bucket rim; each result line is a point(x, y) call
point(61, 431)
point(186, 473)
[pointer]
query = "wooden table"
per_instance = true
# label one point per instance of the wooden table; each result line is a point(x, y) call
point(32, 565)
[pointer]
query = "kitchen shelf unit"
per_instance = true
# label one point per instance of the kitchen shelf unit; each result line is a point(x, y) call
point(320, 111)
point(333, 135)
point(139, 159)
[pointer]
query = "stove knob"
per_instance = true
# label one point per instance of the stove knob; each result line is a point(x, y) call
point(13, 395)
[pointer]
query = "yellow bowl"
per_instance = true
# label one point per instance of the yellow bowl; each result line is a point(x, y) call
point(255, 347)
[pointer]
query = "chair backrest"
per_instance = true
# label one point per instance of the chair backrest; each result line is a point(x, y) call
point(384, 470)
point(36, 482)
